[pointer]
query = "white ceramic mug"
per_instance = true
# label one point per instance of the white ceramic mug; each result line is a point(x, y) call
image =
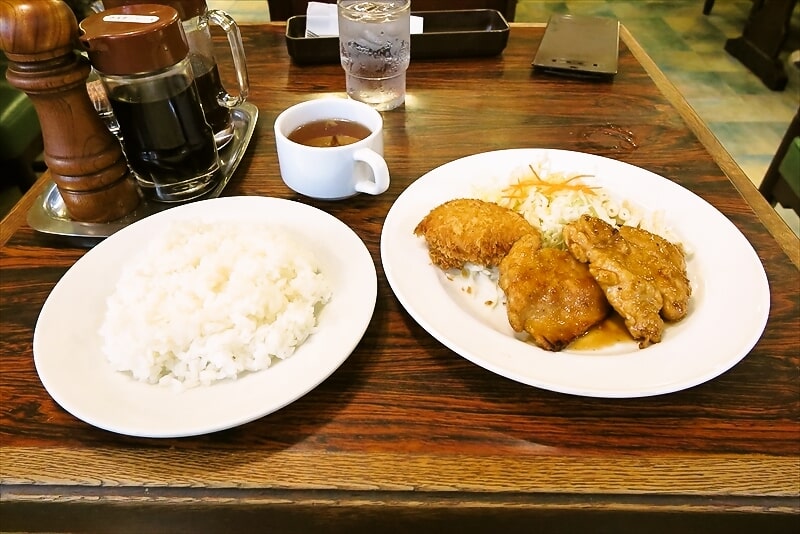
point(337, 172)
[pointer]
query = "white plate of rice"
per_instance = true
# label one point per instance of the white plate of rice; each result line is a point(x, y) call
point(205, 316)
point(728, 309)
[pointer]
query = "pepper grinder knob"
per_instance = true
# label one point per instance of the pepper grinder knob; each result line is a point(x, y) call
point(85, 160)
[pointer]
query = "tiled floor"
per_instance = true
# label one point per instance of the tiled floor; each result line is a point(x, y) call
point(747, 118)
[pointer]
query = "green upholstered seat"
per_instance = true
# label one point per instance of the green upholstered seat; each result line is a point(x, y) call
point(790, 166)
point(19, 124)
point(781, 183)
point(20, 136)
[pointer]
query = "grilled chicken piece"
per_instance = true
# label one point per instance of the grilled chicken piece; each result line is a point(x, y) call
point(549, 294)
point(470, 230)
point(667, 266)
point(643, 275)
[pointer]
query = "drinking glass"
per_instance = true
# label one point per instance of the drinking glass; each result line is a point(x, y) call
point(375, 50)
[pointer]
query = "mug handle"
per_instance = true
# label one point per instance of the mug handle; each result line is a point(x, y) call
point(231, 29)
point(380, 172)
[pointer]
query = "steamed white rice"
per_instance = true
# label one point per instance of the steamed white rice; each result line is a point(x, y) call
point(208, 301)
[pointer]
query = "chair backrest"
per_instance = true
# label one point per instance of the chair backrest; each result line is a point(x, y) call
point(283, 9)
point(781, 182)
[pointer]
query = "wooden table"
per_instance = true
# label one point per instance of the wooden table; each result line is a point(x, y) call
point(407, 435)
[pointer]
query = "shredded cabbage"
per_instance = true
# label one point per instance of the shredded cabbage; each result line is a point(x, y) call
point(549, 200)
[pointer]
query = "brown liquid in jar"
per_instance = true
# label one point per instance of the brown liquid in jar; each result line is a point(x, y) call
point(329, 133)
point(166, 141)
point(209, 88)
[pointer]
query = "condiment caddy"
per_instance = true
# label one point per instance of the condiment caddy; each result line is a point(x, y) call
point(49, 215)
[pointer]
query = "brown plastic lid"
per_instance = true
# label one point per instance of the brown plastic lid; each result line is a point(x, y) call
point(187, 9)
point(134, 39)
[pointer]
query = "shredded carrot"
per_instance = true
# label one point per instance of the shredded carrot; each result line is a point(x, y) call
point(521, 189)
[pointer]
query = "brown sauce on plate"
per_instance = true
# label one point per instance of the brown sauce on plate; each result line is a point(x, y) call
point(609, 331)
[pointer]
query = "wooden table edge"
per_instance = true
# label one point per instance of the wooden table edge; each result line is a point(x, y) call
point(320, 499)
point(698, 475)
point(18, 215)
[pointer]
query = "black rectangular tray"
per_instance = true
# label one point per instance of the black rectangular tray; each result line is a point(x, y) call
point(445, 34)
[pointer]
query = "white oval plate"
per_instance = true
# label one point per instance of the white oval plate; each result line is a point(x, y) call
point(727, 315)
point(67, 345)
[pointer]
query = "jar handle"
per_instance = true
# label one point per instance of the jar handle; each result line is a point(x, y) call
point(231, 29)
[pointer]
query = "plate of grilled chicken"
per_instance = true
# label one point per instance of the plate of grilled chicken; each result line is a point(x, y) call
point(575, 273)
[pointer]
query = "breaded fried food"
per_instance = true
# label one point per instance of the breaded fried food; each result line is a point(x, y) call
point(471, 230)
point(643, 275)
point(549, 294)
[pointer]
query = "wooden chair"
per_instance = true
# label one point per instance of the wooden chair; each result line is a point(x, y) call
point(781, 182)
point(707, 6)
point(283, 9)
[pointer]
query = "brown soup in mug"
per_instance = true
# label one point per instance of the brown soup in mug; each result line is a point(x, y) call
point(329, 133)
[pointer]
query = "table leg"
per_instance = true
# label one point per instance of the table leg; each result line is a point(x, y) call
point(762, 40)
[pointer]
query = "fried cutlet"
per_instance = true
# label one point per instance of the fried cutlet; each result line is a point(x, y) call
point(643, 275)
point(549, 294)
point(470, 230)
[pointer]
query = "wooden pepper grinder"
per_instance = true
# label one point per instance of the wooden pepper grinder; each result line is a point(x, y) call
point(85, 160)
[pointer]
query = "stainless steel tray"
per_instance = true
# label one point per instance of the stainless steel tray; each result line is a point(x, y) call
point(49, 215)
